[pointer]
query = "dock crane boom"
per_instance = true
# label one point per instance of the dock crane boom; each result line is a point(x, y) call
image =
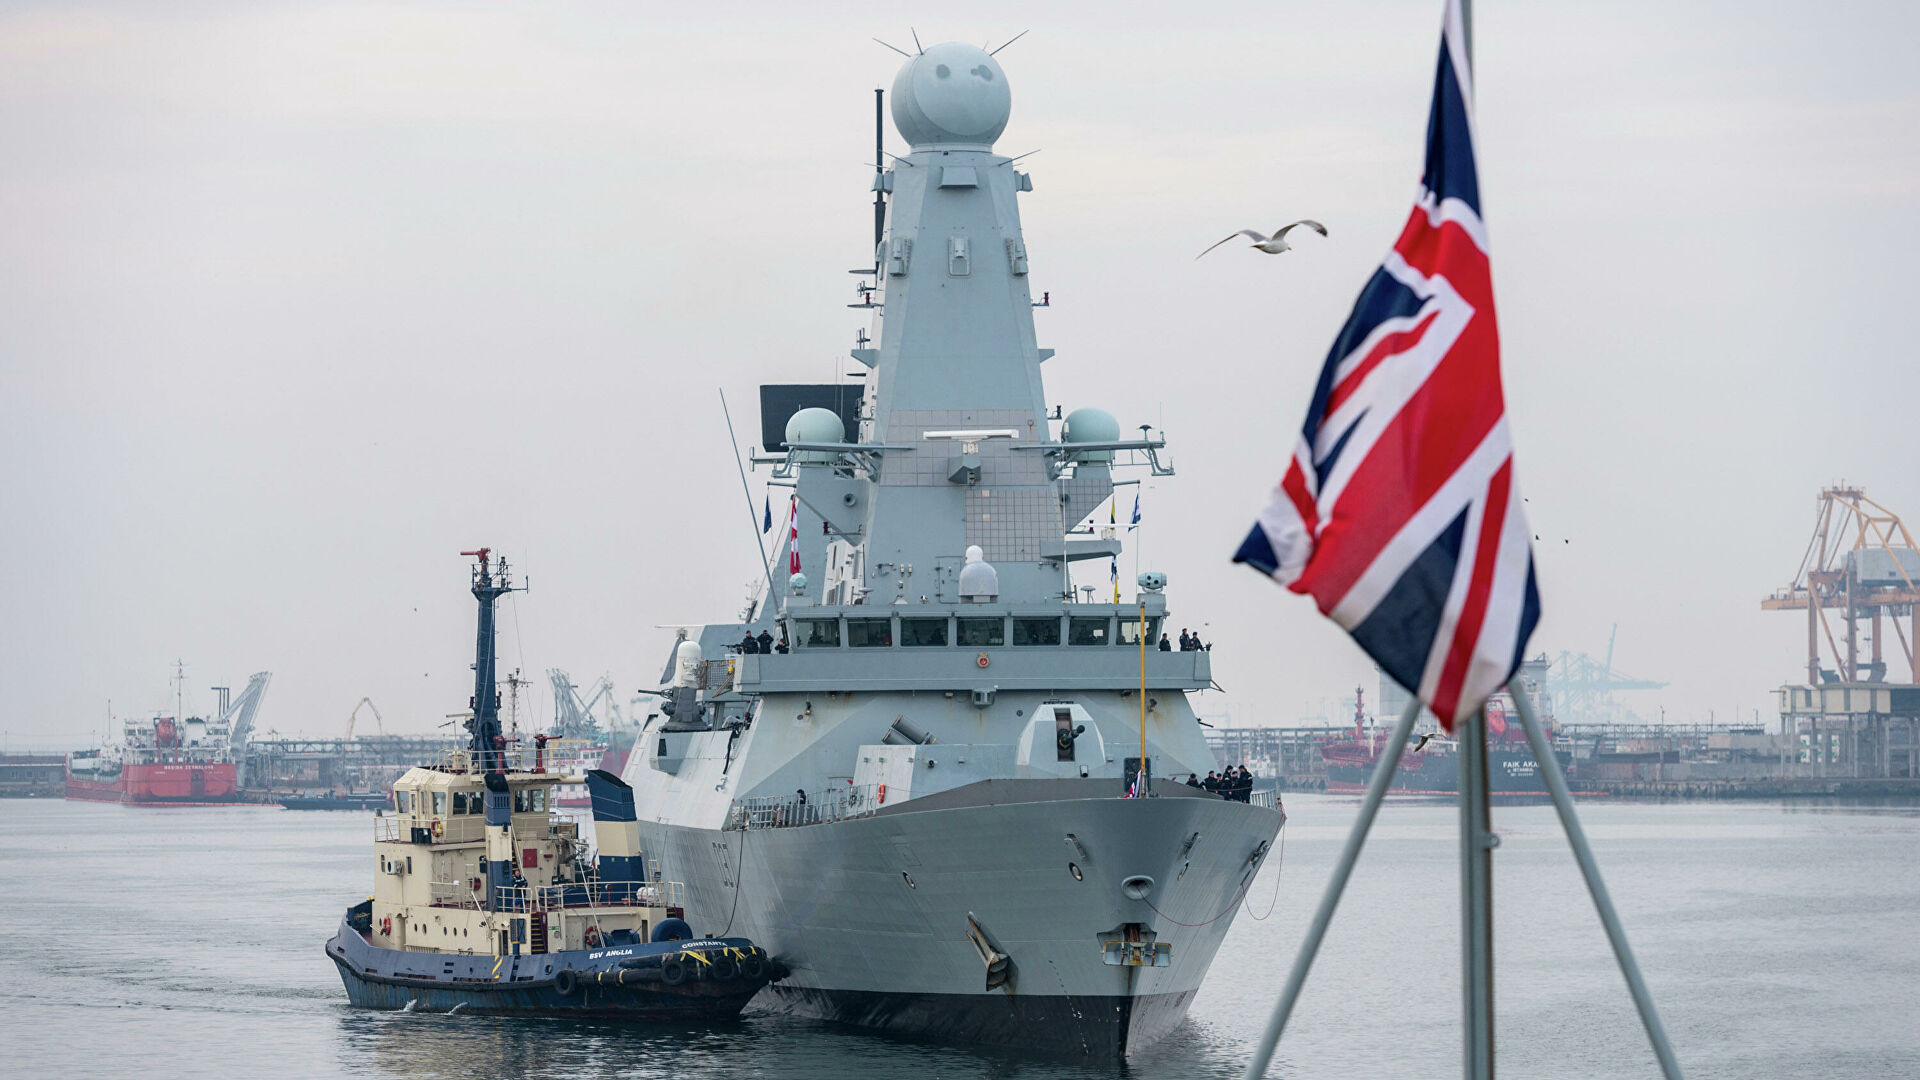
point(379, 721)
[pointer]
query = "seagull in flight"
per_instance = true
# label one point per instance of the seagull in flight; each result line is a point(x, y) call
point(1275, 244)
point(1424, 740)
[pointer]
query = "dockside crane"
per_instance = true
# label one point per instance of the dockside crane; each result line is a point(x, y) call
point(1862, 562)
point(379, 722)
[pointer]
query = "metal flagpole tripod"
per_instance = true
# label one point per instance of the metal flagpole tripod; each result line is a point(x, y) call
point(1477, 842)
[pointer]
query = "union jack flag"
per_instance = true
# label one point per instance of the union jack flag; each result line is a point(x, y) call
point(1399, 513)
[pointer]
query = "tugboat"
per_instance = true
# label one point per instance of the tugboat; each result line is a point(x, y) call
point(487, 898)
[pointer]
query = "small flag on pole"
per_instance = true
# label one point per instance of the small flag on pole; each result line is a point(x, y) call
point(766, 525)
point(1113, 572)
point(1135, 523)
point(1399, 513)
point(793, 537)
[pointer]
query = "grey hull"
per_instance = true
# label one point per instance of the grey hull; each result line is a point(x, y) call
point(872, 914)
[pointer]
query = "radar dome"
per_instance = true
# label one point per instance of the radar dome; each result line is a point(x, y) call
point(979, 581)
point(1091, 426)
point(952, 95)
point(815, 426)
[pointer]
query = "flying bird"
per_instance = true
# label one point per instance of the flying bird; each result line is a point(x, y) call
point(1424, 740)
point(1275, 244)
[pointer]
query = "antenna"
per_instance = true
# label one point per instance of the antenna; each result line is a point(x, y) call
point(1011, 40)
point(897, 49)
point(879, 169)
point(921, 49)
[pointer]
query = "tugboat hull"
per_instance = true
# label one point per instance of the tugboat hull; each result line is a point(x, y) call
point(613, 982)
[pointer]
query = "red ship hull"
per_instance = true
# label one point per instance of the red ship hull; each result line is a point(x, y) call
point(188, 784)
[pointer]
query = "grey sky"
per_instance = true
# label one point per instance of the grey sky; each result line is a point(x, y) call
point(302, 300)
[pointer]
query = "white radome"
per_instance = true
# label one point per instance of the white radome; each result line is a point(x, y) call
point(951, 95)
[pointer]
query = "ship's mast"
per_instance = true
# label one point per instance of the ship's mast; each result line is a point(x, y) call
point(487, 745)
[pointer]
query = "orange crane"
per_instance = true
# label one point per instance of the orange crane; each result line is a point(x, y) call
point(379, 721)
point(1863, 562)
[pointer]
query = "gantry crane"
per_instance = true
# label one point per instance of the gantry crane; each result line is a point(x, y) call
point(1863, 562)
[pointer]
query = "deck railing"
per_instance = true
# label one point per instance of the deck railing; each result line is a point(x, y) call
point(813, 808)
point(584, 894)
point(1267, 797)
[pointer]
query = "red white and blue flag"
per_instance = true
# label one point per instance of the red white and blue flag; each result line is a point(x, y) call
point(1399, 513)
point(793, 536)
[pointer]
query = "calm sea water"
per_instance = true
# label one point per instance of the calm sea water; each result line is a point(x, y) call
point(1781, 940)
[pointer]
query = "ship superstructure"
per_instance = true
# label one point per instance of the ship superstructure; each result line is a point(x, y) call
point(175, 760)
point(919, 799)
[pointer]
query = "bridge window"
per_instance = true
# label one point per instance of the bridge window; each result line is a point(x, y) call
point(439, 804)
point(1036, 631)
point(923, 631)
point(530, 800)
point(817, 633)
point(870, 633)
point(1130, 631)
point(467, 802)
point(977, 632)
point(402, 800)
point(1086, 631)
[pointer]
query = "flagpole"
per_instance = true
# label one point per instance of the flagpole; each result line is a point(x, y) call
point(1590, 869)
point(759, 538)
point(1477, 842)
point(1383, 770)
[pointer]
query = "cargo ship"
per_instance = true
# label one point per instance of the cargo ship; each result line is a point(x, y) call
point(1430, 765)
point(172, 760)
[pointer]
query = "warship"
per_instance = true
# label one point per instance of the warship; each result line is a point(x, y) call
point(938, 796)
point(487, 899)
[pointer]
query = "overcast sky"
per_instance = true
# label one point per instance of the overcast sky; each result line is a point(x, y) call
point(301, 300)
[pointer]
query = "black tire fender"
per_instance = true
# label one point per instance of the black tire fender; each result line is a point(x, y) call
point(673, 971)
point(723, 969)
point(753, 968)
point(565, 982)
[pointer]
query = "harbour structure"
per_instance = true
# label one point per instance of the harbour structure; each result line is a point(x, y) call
point(577, 740)
point(173, 760)
point(1853, 717)
point(919, 799)
point(487, 898)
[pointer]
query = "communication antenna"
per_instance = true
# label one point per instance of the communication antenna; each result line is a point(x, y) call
point(879, 169)
point(895, 48)
point(1011, 40)
point(919, 48)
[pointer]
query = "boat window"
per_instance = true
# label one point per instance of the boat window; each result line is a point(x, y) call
point(923, 631)
point(402, 800)
point(1130, 631)
point(530, 801)
point(869, 633)
point(1036, 631)
point(817, 633)
point(1087, 631)
point(537, 798)
point(440, 804)
point(467, 802)
point(976, 632)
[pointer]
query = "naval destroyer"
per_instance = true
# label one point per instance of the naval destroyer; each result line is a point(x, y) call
point(924, 798)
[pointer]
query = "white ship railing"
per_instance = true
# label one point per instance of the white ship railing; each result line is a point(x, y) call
point(815, 808)
point(1269, 798)
point(586, 894)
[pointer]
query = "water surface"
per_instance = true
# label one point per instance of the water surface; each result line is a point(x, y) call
point(1780, 939)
